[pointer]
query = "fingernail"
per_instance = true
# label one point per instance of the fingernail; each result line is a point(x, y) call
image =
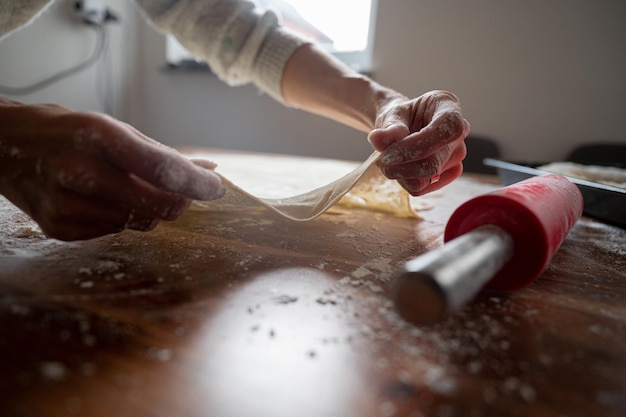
point(197, 183)
point(214, 187)
point(372, 133)
point(207, 187)
point(383, 137)
point(204, 163)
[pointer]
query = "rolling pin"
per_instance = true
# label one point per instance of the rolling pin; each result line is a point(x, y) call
point(500, 241)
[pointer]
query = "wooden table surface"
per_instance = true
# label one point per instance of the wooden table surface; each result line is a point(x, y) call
point(247, 315)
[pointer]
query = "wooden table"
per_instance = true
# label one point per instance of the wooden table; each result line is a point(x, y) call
point(246, 315)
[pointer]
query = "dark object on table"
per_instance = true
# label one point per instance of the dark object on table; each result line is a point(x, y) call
point(479, 148)
point(602, 202)
point(604, 154)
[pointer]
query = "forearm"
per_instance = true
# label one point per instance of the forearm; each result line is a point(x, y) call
point(318, 83)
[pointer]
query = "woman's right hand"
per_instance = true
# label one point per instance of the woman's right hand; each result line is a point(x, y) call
point(80, 175)
point(421, 141)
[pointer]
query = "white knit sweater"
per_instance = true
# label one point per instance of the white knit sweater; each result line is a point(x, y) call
point(240, 44)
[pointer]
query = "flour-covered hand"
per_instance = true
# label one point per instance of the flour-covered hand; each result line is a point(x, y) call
point(421, 141)
point(81, 175)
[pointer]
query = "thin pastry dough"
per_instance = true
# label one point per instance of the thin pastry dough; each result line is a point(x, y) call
point(364, 186)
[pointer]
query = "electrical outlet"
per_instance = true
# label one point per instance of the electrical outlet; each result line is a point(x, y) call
point(90, 11)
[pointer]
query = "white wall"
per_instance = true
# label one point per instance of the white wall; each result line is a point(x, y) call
point(56, 41)
point(539, 76)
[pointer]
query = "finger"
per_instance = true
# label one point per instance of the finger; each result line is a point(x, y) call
point(414, 186)
point(140, 222)
point(382, 138)
point(76, 217)
point(67, 216)
point(445, 178)
point(442, 131)
point(92, 226)
point(152, 202)
point(424, 169)
point(100, 181)
point(420, 186)
point(442, 160)
point(155, 163)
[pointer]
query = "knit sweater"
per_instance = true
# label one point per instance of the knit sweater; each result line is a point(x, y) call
point(240, 44)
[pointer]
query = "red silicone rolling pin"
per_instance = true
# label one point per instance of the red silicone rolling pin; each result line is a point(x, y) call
point(501, 241)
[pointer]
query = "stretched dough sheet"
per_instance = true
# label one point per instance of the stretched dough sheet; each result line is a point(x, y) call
point(300, 189)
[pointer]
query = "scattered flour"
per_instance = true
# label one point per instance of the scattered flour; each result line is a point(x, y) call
point(53, 371)
point(160, 354)
point(285, 299)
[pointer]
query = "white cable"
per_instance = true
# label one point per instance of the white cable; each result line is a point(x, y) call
point(101, 41)
point(104, 85)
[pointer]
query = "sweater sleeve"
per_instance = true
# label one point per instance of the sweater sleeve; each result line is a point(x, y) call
point(240, 44)
point(15, 14)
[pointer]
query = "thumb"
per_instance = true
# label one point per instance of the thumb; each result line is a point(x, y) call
point(383, 137)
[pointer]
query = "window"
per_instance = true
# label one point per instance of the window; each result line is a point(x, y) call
point(324, 21)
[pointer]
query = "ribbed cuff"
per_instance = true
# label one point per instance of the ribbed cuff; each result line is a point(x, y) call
point(272, 58)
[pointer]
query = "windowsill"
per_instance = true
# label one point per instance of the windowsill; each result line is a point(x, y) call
point(187, 66)
point(194, 66)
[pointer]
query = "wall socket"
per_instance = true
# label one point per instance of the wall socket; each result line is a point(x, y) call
point(90, 11)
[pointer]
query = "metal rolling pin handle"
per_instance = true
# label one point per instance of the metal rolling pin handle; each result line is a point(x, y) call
point(443, 280)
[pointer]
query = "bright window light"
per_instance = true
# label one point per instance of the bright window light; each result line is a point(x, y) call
point(342, 27)
point(345, 23)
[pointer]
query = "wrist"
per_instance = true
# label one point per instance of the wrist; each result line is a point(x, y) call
point(383, 99)
point(318, 83)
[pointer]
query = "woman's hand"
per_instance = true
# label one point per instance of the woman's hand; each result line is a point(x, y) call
point(82, 175)
point(421, 140)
